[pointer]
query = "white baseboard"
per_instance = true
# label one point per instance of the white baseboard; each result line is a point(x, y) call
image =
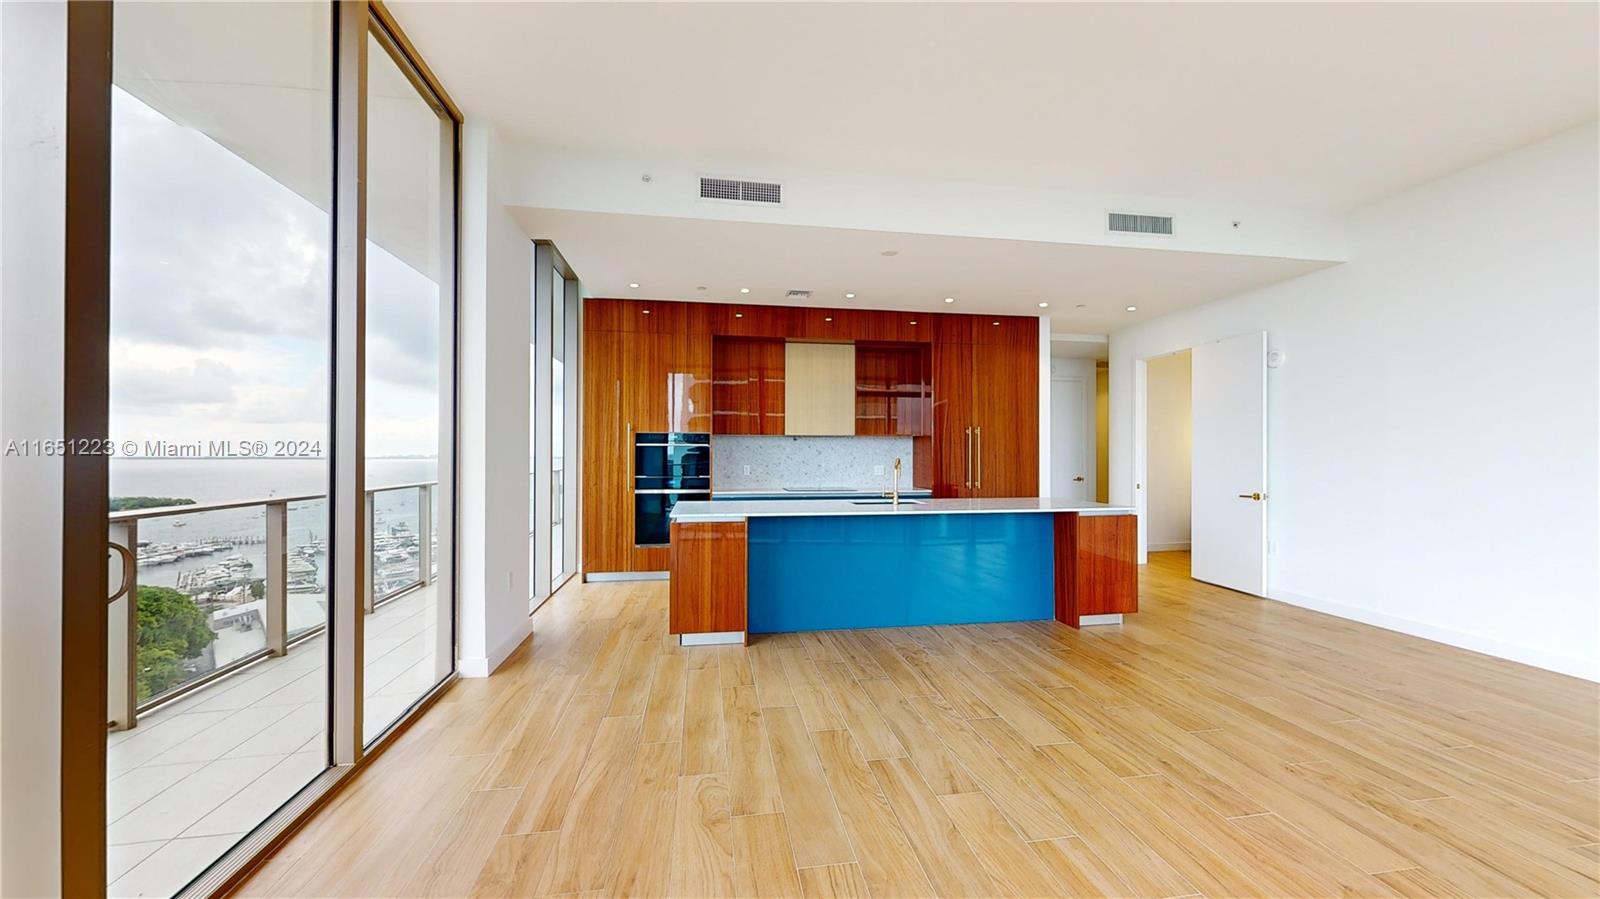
point(1167, 547)
point(603, 577)
point(1575, 666)
point(481, 666)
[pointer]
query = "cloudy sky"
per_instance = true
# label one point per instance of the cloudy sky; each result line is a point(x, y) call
point(220, 303)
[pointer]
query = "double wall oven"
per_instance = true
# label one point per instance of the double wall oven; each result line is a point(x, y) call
point(667, 467)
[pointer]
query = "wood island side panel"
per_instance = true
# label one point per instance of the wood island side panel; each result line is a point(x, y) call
point(708, 582)
point(1097, 569)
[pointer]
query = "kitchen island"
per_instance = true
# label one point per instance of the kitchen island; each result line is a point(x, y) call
point(742, 567)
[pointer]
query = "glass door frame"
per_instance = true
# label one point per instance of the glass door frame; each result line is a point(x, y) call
point(85, 420)
point(547, 264)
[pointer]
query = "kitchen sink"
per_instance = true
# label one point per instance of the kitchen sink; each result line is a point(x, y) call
point(885, 502)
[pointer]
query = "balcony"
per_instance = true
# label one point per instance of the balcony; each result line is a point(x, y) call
point(201, 749)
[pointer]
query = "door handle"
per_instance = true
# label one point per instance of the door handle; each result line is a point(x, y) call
point(977, 479)
point(1078, 479)
point(1258, 497)
point(968, 456)
point(129, 571)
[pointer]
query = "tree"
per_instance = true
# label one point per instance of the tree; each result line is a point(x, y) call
point(172, 630)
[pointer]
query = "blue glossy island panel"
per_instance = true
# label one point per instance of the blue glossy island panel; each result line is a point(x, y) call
point(829, 572)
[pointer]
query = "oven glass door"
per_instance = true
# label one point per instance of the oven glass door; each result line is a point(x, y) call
point(651, 511)
point(676, 466)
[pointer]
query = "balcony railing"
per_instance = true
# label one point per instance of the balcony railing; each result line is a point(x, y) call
point(398, 562)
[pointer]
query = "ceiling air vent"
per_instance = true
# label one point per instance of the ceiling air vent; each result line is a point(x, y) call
point(741, 191)
point(1131, 223)
point(798, 295)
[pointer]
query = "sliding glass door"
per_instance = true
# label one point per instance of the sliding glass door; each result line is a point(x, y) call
point(409, 364)
point(241, 645)
point(221, 138)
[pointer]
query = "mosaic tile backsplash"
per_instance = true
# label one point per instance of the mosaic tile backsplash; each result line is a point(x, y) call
point(771, 463)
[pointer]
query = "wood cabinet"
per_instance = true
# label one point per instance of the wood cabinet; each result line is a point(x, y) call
point(708, 589)
point(607, 497)
point(965, 389)
point(747, 385)
point(645, 367)
point(894, 390)
point(819, 384)
point(986, 406)
point(1097, 567)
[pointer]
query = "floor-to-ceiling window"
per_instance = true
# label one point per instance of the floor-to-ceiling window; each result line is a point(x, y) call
point(558, 426)
point(410, 321)
point(219, 369)
point(224, 696)
point(552, 361)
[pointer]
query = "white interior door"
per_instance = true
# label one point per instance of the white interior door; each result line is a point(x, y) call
point(1229, 477)
point(1069, 459)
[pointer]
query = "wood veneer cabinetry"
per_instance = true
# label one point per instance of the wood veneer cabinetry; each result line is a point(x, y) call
point(986, 406)
point(747, 385)
point(708, 591)
point(1097, 568)
point(894, 390)
point(669, 366)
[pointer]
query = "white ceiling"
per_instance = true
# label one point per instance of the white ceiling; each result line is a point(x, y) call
point(1312, 106)
point(671, 258)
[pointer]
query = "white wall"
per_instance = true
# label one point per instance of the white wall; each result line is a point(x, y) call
point(496, 259)
point(1061, 432)
point(32, 186)
point(1167, 466)
point(1413, 485)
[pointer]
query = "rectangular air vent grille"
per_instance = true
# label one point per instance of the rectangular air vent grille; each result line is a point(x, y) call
point(741, 191)
point(1130, 223)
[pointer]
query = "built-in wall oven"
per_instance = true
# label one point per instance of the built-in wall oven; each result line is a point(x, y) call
point(667, 468)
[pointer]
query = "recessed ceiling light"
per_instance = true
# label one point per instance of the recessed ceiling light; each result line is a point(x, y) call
point(1044, 305)
point(1133, 308)
point(634, 284)
point(949, 299)
point(849, 296)
point(744, 290)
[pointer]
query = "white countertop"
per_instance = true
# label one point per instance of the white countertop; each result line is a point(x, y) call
point(738, 510)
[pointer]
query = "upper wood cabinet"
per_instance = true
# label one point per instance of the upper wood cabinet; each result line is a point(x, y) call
point(894, 390)
point(819, 381)
point(747, 385)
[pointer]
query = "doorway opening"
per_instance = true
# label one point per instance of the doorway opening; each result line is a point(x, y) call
point(1200, 459)
point(1169, 459)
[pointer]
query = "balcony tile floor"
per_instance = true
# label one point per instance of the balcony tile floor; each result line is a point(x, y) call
point(198, 773)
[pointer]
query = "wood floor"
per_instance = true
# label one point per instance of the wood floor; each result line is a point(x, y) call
point(1214, 745)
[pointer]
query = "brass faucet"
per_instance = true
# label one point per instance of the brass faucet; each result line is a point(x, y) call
point(896, 494)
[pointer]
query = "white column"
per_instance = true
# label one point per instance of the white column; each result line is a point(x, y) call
point(493, 444)
point(32, 191)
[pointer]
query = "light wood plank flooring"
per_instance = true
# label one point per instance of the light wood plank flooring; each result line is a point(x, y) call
point(1215, 745)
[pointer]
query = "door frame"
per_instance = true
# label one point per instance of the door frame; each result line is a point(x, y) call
point(1141, 453)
